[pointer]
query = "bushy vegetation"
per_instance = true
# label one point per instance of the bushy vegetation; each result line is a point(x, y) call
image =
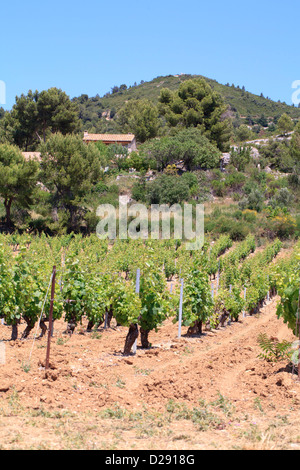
point(182, 125)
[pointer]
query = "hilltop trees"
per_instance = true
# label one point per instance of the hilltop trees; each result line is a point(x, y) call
point(195, 104)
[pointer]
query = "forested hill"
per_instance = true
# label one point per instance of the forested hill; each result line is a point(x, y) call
point(98, 112)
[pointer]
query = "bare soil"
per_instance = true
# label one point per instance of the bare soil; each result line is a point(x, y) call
point(205, 392)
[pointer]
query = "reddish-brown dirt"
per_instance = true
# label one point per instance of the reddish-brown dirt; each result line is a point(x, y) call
point(219, 370)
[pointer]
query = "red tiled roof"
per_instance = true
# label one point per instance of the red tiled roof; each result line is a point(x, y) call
point(109, 137)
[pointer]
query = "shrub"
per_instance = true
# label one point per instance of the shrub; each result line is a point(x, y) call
point(137, 161)
point(249, 215)
point(109, 198)
point(219, 188)
point(283, 198)
point(240, 157)
point(190, 179)
point(254, 201)
point(138, 192)
point(294, 180)
point(249, 186)
point(238, 214)
point(167, 189)
point(236, 197)
point(100, 187)
point(233, 228)
point(235, 180)
point(216, 174)
point(282, 226)
point(238, 232)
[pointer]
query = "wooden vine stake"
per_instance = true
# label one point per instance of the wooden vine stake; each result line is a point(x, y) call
point(50, 318)
point(298, 322)
point(137, 291)
point(180, 309)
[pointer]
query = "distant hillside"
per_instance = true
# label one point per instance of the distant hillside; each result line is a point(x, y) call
point(98, 112)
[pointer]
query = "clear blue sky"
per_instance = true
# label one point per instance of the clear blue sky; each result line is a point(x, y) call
point(88, 47)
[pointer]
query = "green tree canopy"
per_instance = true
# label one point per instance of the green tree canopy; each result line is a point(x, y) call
point(277, 155)
point(139, 117)
point(285, 124)
point(7, 129)
point(18, 179)
point(70, 168)
point(56, 112)
point(188, 145)
point(25, 121)
point(243, 133)
point(195, 104)
point(38, 114)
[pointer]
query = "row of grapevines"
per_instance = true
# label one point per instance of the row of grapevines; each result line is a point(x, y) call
point(215, 251)
point(24, 282)
point(96, 279)
point(251, 275)
point(286, 279)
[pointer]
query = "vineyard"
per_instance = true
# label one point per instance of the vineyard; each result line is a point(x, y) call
point(135, 282)
point(138, 301)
